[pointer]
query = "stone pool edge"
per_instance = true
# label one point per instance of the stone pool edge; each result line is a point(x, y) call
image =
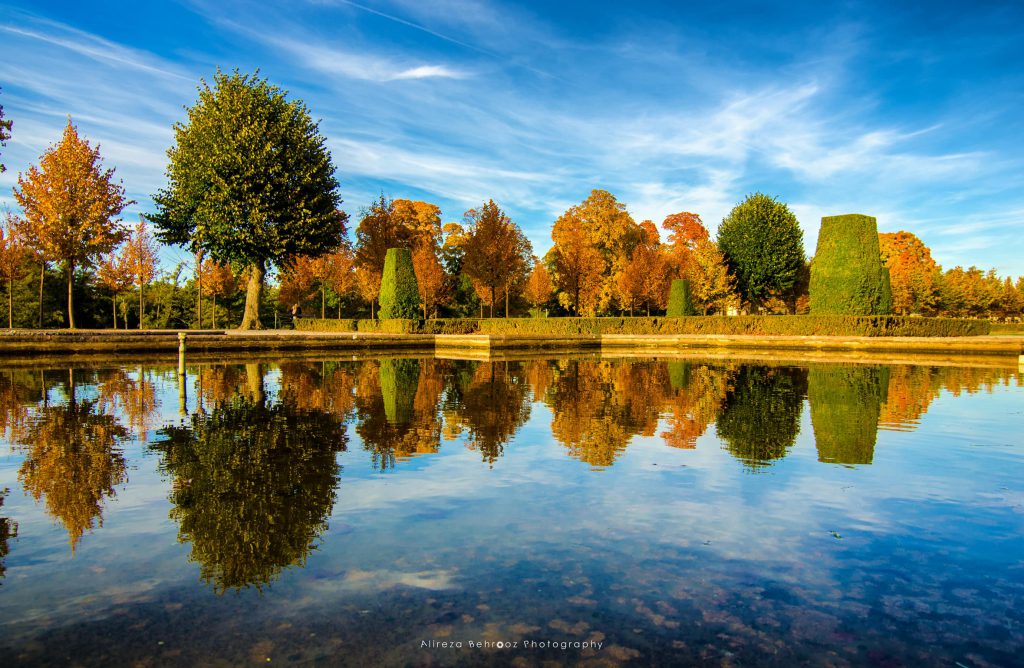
point(31, 343)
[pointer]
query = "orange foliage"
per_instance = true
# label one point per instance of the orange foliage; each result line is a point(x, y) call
point(69, 203)
point(14, 254)
point(538, 285)
point(578, 265)
point(913, 273)
point(430, 277)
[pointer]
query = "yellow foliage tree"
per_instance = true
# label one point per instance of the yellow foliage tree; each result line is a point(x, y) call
point(538, 285)
point(578, 265)
point(430, 276)
point(114, 274)
point(220, 282)
point(713, 287)
point(70, 203)
point(14, 254)
point(140, 257)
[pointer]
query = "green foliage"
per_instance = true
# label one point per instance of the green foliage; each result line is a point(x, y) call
point(763, 247)
point(394, 326)
point(5, 134)
point(680, 299)
point(847, 274)
point(250, 180)
point(758, 325)
point(790, 325)
point(399, 293)
point(254, 483)
point(761, 416)
point(845, 404)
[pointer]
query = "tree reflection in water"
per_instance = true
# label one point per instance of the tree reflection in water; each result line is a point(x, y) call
point(598, 406)
point(698, 394)
point(398, 408)
point(73, 460)
point(488, 402)
point(8, 530)
point(253, 482)
point(845, 404)
point(761, 417)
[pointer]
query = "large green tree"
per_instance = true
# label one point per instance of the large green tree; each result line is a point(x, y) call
point(250, 182)
point(764, 248)
point(5, 134)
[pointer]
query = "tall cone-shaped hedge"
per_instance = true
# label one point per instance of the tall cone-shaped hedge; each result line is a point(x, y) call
point(399, 292)
point(847, 273)
point(680, 299)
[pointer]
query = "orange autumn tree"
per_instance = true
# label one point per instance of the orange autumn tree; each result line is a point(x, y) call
point(114, 274)
point(610, 232)
point(686, 232)
point(70, 204)
point(421, 220)
point(914, 275)
point(644, 280)
point(297, 281)
point(713, 287)
point(368, 285)
point(14, 254)
point(430, 277)
point(578, 265)
point(140, 257)
point(220, 282)
point(342, 279)
point(497, 253)
point(538, 285)
point(696, 258)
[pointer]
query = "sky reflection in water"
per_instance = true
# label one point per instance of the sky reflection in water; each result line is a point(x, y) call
point(674, 511)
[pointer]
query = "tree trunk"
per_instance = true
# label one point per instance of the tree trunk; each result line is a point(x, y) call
point(492, 301)
point(506, 301)
point(10, 302)
point(113, 305)
point(339, 308)
point(371, 308)
point(215, 311)
point(42, 273)
point(141, 306)
point(323, 302)
point(254, 376)
point(253, 293)
point(71, 298)
point(199, 289)
point(124, 313)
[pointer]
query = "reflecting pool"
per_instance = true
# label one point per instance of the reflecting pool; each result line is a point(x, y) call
point(584, 510)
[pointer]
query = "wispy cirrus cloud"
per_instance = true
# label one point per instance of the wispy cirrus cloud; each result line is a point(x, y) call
point(536, 104)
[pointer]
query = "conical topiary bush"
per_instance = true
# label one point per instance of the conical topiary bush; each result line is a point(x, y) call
point(399, 292)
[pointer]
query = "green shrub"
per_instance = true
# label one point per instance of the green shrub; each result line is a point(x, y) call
point(762, 325)
point(759, 325)
point(399, 292)
point(847, 274)
point(680, 300)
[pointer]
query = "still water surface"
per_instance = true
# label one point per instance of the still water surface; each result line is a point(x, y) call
point(578, 510)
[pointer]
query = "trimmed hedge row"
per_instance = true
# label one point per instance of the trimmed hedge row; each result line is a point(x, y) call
point(396, 326)
point(762, 325)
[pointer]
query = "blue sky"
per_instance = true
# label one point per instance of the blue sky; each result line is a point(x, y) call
point(910, 112)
